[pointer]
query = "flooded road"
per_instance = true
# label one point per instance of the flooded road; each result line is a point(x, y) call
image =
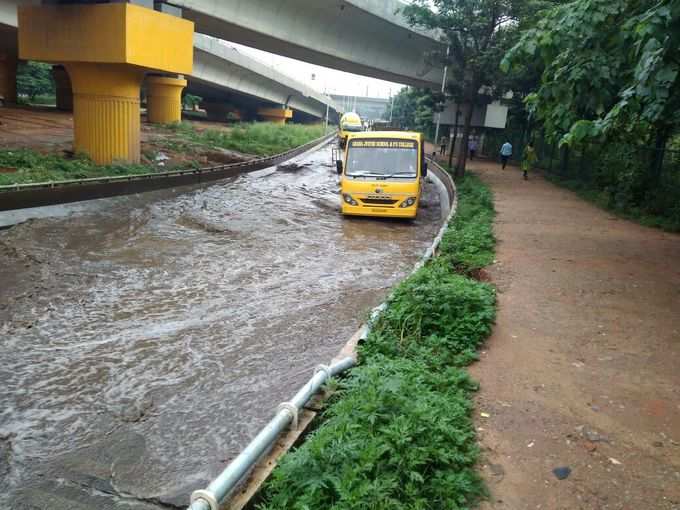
point(145, 339)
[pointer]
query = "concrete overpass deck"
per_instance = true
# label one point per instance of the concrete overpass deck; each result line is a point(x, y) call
point(219, 66)
point(367, 37)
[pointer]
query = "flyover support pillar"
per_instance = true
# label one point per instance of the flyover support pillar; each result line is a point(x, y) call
point(8, 76)
point(106, 49)
point(275, 115)
point(106, 115)
point(164, 99)
point(64, 90)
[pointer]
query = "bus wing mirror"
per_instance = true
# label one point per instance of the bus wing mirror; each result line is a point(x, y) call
point(338, 166)
point(425, 169)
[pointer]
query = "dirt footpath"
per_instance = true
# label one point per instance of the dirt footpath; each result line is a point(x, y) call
point(583, 369)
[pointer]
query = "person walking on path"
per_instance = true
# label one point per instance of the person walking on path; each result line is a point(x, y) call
point(506, 152)
point(528, 160)
point(442, 145)
point(472, 147)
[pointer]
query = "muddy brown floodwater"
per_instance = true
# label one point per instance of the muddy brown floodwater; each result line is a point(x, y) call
point(145, 339)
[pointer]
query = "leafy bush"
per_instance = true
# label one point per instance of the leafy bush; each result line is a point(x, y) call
point(400, 437)
point(399, 434)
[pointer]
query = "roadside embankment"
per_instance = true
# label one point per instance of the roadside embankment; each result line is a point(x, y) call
point(398, 433)
point(164, 148)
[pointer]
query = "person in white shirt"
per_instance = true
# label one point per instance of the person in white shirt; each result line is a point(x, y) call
point(506, 152)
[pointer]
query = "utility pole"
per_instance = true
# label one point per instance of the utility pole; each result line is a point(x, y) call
point(439, 114)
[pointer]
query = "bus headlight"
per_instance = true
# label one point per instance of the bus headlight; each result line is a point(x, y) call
point(348, 199)
point(408, 202)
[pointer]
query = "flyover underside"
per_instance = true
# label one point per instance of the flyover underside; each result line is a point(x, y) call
point(212, 72)
point(345, 38)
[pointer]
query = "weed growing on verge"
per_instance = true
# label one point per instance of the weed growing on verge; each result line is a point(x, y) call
point(398, 434)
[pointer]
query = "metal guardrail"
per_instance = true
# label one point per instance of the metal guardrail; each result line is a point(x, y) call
point(21, 196)
point(219, 489)
point(286, 414)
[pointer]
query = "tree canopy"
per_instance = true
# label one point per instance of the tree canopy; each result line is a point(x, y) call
point(609, 66)
point(412, 109)
point(34, 78)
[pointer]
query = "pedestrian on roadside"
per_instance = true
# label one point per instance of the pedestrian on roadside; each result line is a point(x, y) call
point(528, 159)
point(442, 145)
point(472, 147)
point(506, 152)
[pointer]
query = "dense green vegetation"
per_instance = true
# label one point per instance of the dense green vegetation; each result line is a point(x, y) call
point(399, 433)
point(35, 79)
point(261, 138)
point(257, 139)
point(413, 109)
point(608, 94)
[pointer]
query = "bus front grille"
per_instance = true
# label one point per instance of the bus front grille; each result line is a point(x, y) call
point(378, 201)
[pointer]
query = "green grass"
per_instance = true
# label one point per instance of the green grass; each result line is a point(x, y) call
point(33, 166)
point(260, 139)
point(398, 434)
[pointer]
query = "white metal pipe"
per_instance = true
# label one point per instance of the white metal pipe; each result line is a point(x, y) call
point(287, 413)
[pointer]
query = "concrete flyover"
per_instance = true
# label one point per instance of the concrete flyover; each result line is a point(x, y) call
point(366, 37)
point(219, 67)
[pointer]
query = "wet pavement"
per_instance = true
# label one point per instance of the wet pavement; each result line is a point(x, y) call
point(145, 339)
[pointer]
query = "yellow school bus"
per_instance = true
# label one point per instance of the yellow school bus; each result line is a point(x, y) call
point(349, 123)
point(381, 173)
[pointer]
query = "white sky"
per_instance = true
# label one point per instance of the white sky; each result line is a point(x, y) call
point(325, 80)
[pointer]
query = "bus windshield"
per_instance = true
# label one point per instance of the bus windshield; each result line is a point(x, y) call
point(352, 128)
point(382, 158)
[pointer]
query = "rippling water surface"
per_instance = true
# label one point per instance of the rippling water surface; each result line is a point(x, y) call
point(145, 339)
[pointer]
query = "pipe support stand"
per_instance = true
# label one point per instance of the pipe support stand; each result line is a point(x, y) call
point(292, 409)
point(206, 496)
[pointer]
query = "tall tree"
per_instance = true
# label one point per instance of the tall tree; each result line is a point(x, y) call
point(477, 33)
point(34, 78)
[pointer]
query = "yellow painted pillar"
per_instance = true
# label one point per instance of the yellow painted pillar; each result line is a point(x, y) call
point(8, 76)
point(106, 50)
point(275, 115)
point(164, 99)
point(106, 115)
point(64, 90)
